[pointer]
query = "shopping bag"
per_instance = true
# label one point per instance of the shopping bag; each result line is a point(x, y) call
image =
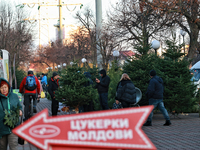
point(42, 94)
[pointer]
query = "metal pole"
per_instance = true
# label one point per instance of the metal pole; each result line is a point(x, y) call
point(60, 21)
point(98, 31)
point(39, 29)
point(184, 44)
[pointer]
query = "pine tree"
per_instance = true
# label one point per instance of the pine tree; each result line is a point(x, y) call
point(115, 74)
point(138, 70)
point(73, 90)
point(179, 93)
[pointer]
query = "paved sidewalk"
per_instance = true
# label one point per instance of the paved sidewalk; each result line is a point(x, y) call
point(183, 134)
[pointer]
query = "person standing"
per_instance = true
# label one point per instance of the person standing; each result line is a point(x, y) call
point(155, 96)
point(126, 92)
point(53, 86)
point(8, 101)
point(29, 86)
point(44, 82)
point(102, 86)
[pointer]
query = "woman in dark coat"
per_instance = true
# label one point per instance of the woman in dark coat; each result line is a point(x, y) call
point(126, 92)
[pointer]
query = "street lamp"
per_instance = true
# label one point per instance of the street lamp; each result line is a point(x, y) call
point(64, 64)
point(155, 45)
point(116, 55)
point(84, 61)
point(183, 33)
point(71, 63)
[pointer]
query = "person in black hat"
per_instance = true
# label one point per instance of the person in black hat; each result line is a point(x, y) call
point(53, 86)
point(102, 86)
point(155, 96)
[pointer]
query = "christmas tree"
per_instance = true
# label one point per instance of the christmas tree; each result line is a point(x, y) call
point(179, 91)
point(74, 89)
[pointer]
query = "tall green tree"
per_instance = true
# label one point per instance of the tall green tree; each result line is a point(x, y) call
point(74, 90)
point(179, 95)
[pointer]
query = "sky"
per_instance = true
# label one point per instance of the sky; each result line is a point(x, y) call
point(68, 13)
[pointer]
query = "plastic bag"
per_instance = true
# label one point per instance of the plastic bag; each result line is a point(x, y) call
point(42, 94)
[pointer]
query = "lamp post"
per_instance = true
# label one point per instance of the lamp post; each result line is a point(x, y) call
point(155, 45)
point(183, 33)
point(71, 63)
point(83, 60)
point(64, 65)
point(116, 55)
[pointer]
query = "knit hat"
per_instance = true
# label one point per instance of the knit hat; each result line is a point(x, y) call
point(152, 73)
point(55, 74)
point(4, 82)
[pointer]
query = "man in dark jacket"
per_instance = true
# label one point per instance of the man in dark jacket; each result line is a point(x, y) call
point(155, 96)
point(102, 87)
point(53, 86)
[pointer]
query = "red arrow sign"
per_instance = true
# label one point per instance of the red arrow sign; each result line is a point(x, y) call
point(111, 129)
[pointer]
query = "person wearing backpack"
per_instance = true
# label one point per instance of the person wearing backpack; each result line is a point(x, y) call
point(29, 86)
point(126, 92)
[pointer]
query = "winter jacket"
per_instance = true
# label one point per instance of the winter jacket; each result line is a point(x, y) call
point(52, 87)
point(155, 89)
point(127, 91)
point(88, 76)
point(22, 88)
point(102, 87)
point(13, 99)
point(44, 80)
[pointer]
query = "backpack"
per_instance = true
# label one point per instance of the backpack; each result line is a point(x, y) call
point(30, 83)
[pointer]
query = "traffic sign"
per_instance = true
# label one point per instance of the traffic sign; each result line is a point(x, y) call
point(110, 129)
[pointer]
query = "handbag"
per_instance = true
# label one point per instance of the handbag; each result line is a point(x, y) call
point(20, 140)
point(42, 94)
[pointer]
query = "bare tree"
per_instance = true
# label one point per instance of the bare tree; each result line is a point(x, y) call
point(15, 34)
point(135, 22)
point(107, 42)
point(184, 13)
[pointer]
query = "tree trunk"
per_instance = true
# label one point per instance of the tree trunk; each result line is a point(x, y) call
point(193, 41)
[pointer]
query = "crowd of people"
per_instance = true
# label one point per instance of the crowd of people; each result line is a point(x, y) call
point(32, 86)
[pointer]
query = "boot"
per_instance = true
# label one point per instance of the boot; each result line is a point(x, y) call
point(148, 123)
point(34, 110)
point(167, 123)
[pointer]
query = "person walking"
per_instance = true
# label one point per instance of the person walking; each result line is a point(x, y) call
point(53, 86)
point(44, 82)
point(30, 87)
point(41, 89)
point(8, 101)
point(126, 92)
point(102, 86)
point(155, 96)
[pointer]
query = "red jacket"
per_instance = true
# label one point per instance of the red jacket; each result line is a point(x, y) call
point(23, 83)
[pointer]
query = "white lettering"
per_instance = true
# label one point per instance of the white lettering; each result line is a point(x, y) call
point(110, 134)
point(99, 124)
point(92, 135)
point(73, 126)
point(128, 134)
point(107, 123)
point(73, 135)
point(83, 124)
point(118, 134)
point(101, 135)
point(124, 123)
point(115, 123)
point(83, 135)
point(91, 124)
